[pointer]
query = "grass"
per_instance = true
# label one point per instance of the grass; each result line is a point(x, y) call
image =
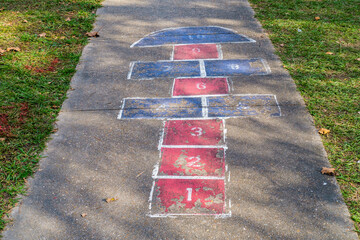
point(48, 36)
point(319, 43)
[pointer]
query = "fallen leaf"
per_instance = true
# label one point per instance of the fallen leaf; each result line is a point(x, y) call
point(317, 18)
point(15, 49)
point(62, 37)
point(329, 53)
point(25, 21)
point(281, 45)
point(83, 215)
point(358, 59)
point(328, 171)
point(2, 51)
point(324, 131)
point(68, 19)
point(109, 200)
point(93, 34)
point(54, 130)
point(140, 174)
point(2, 139)
point(42, 34)
point(1, 9)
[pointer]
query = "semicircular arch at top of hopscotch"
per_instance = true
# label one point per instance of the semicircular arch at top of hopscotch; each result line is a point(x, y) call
point(192, 35)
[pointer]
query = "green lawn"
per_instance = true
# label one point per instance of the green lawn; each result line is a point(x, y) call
point(47, 37)
point(319, 43)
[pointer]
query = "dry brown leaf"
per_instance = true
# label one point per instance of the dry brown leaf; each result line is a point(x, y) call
point(358, 59)
point(109, 200)
point(329, 53)
point(317, 18)
point(83, 214)
point(25, 21)
point(93, 34)
point(42, 34)
point(68, 19)
point(328, 171)
point(62, 37)
point(15, 49)
point(54, 130)
point(281, 45)
point(2, 139)
point(2, 51)
point(324, 131)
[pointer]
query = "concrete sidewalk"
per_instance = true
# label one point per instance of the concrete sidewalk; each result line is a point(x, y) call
point(275, 191)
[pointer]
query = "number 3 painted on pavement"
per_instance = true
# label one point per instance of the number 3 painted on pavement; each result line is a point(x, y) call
point(197, 131)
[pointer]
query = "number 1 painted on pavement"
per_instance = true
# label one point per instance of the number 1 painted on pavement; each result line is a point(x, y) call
point(189, 196)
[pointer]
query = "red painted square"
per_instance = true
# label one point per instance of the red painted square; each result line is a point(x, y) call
point(176, 196)
point(194, 132)
point(196, 51)
point(192, 162)
point(200, 86)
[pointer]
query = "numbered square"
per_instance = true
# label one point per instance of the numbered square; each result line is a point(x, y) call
point(183, 196)
point(200, 86)
point(194, 132)
point(196, 51)
point(192, 162)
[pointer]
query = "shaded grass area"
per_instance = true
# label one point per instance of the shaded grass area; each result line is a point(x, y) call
point(46, 37)
point(319, 43)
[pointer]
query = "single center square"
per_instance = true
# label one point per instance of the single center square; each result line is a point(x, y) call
point(200, 86)
point(196, 51)
point(194, 132)
point(183, 196)
point(192, 162)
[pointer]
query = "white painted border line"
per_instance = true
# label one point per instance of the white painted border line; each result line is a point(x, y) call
point(188, 177)
point(250, 40)
point(122, 109)
point(266, 66)
point(221, 215)
point(202, 68)
point(257, 94)
point(280, 114)
point(220, 53)
point(204, 107)
point(193, 146)
point(172, 53)
point(131, 67)
point(151, 194)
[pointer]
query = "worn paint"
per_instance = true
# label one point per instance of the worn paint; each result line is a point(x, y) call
point(174, 196)
point(196, 51)
point(236, 67)
point(194, 132)
point(161, 108)
point(192, 162)
point(200, 86)
point(243, 105)
point(191, 35)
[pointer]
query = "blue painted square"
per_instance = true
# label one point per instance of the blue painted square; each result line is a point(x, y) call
point(173, 69)
point(242, 105)
point(235, 67)
point(155, 108)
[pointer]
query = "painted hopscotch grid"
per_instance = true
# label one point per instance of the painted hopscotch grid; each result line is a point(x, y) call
point(183, 87)
point(204, 107)
point(197, 68)
point(192, 35)
point(190, 180)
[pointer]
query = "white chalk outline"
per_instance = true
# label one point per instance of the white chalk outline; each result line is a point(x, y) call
point(205, 95)
point(202, 68)
point(250, 40)
point(202, 107)
point(218, 48)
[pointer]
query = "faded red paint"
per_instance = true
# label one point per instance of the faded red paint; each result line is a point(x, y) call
point(194, 132)
point(192, 162)
point(200, 86)
point(196, 51)
point(190, 196)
